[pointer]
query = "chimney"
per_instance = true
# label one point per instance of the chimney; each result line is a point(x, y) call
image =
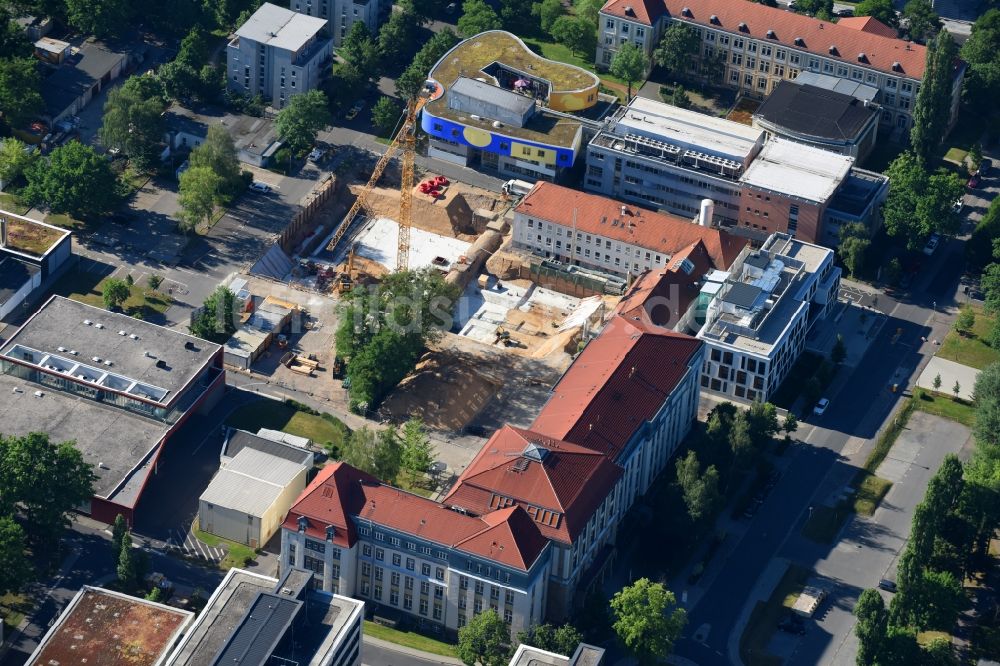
point(624, 210)
point(706, 213)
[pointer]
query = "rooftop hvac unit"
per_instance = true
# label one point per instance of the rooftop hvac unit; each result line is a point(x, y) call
point(96, 359)
point(62, 349)
point(98, 325)
point(133, 336)
point(161, 364)
point(87, 322)
point(72, 352)
point(108, 363)
point(17, 390)
point(121, 332)
point(38, 394)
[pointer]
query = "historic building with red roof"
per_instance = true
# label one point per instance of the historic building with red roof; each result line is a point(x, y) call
point(363, 538)
point(761, 45)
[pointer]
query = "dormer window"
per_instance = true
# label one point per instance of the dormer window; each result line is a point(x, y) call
point(833, 50)
point(714, 19)
point(862, 57)
point(897, 67)
point(686, 12)
point(743, 27)
point(799, 41)
point(629, 11)
point(771, 35)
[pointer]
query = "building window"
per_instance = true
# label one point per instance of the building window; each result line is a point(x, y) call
point(479, 587)
point(396, 559)
point(408, 601)
point(379, 554)
point(410, 563)
point(508, 616)
point(423, 607)
point(395, 578)
point(366, 550)
point(461, 620)
point(425, 569)
point(439, 573)
point(508, 597)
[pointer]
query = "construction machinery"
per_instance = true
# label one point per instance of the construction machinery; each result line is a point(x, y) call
point(405, 140)
point(346, 281)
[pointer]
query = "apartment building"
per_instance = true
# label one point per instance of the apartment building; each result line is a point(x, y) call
point(757, 315)
point(598, 233)
point(668, 158)
point(278, 53)
point(412, 555)
point(342, 14)
point(498, 106)
point(761, 46)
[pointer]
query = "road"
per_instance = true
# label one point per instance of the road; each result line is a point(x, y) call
point(857, 411)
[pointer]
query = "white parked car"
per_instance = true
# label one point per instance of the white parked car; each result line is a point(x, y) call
point(821, 406)
point(263, 188)
point(932, 244)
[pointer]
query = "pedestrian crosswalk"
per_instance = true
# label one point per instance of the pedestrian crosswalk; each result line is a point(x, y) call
point(187, 542)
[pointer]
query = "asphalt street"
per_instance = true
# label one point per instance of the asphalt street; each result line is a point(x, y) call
point(858, 409)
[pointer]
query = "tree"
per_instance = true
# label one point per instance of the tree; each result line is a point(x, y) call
point(154, 281)
point(791, 423)
point(199, 194)
point(484, 640)
point(305, 115)
point(104, 18)
point(20, 99)
point(839, 351)
point(956, 389)
point(76, 180)
point(878, 9)
point(397, 38)
point(762, 418)
point(821, 9)
point(871, 627)
point(13, 41)
point(919, 203)
point(678, 47)
point(854, 243)
point(937, 381)
point(127, 570)
point(740, 441)
point(133, 120)
point(558, 640)
point(548, 12)
point(47, 480)
point(216, 319)
point(418, 453)
point(575, 34)
point(14, 159)
point(388, 455)
point(115, 293)
point(932, 108)
point(647, 620)
point(939, 652)
point(119, 528)
point(938, 599)
point(983, 57)
point(975, 156)
point(14, 567)
point(921, 19)
point(410, 82)
point(361, 53)
point(155, 595)
point(965, 321)
point(218, 153)
point(994, 336)
point(477, 17)
point(385, 115)
point(588, 10)
point(630, 64)
point(517, 15)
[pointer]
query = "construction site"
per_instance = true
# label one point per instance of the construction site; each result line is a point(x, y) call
point(511, 338)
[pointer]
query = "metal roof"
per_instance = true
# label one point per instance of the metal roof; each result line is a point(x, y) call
point(280, 27)
point(742, 295)
point(251, 482)
point(484, 92)
point(264, 625)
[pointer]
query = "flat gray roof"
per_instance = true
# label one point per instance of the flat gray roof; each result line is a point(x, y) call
point(850, 87)
point(61, 323)
point(118, 438)
point(240, 439)
point(251, 482)
point(797, 170)
point(87, 65)
point(688, 129)
point(484, 92)
point(13, 274)
point(280, 27)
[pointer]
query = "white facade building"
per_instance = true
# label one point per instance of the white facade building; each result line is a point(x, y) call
point(342, 14)
point(757, 315)
point(278, 53)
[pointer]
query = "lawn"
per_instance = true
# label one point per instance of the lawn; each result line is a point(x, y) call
point(409, 639)
point(555, 51)
point(276, 415)
point(423, 486)
point(883, 154)
point(946, 407)
point(956, 156)
point(10, 203)
point(88, 288)
point(765, 617)
point(870, 490)
point(13, 608)
point(825, 523)
point(64, 220)
point(237, 555)
point(971, 350)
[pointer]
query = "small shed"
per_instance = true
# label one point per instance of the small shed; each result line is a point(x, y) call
point(253, 490)
point(812, 596)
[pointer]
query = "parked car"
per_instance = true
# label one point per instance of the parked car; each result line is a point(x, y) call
point(887, 585)
point(353, 112)
point(821, 406)
point(844, 13)
point(974, 181)
point(317, 155)
point(958, 206)
point(932, 244)
point(792, 624)
point(262, 188)
point(984, 166)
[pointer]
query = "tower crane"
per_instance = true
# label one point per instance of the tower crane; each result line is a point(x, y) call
point(405, 139)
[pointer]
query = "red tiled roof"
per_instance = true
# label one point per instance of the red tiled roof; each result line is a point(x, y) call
point(511, 539)
point(868, 24)
point(570, 481)
point(595, 214)
point(340, 491)
point(660, 297)
point(640, 11)
point(616, 384)
point(880, 50)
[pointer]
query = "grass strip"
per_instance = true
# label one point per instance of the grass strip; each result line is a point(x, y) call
point(409, 639)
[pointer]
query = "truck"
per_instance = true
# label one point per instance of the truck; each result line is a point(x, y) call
point(516, 188)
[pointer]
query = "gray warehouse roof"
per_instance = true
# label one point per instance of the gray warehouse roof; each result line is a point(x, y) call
point(241, 439)
point(81, 71)
point(280, 27)
point(816, 112)
point(251, 482)
point(174, 359)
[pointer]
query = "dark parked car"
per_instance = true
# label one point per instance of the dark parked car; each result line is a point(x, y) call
point(974, 181)
point(887, 585)
point(984, 166)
